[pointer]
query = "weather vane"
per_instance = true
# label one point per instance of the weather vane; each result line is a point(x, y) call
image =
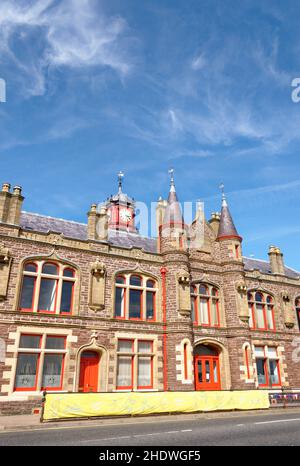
point(222, 190)
point(171, 173)
point(120, 179)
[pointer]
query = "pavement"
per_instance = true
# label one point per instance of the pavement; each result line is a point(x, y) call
point(32, 421)
point(274, 427)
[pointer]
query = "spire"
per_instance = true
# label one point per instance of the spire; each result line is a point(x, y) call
point(120, 181)
point(227, 229)
point(173, 214)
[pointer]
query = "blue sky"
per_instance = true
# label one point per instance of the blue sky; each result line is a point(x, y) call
point(204, 86)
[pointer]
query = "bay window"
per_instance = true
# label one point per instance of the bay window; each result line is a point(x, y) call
point(261, 311)
point(135, 297)
point(47, 287)
point(40, 362)
point(205, 305)
point(134, 364)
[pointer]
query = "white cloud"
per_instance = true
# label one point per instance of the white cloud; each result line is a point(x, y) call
point(71, 33)
point(198, 63)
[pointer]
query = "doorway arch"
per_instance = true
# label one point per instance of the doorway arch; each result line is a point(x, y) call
point(89, 371)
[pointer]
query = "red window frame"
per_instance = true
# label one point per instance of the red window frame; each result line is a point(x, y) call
point(297, 305)
point(146, 355)
point(209, 299)
point(72, 298)
point(24, 309)
point(141, 303)
point(252, 301)
point(29, 389)
point(45, 311)
point(122, 286)
point(62, 372)
point(129, 355)
point(185, 361)
point(267, 360)
point(247, 350)
point(153, 294)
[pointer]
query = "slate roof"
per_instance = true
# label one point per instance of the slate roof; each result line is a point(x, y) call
point(226, 226)
point(76, 230)
point(265, 267)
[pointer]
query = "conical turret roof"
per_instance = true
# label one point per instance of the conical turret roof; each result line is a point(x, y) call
point(226, 227)
point(173, 214)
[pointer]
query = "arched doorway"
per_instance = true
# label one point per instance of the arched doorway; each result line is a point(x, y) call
point(207, 368)
point(89, 370)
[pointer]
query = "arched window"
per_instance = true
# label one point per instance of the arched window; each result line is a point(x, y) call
point(261, 311)
point(135, 297)
point(297, 303)
point(205, 305)
point(47, 287)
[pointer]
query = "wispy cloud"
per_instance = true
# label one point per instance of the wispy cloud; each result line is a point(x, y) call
point(70, 33)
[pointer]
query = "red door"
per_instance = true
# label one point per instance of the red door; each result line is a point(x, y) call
point(207, 373)
point(89, 367)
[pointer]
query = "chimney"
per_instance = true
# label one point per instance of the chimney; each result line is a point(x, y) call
point(276, 260)
point(11, 204)
point(214, 221)
point(16, 202)
point(97, 223)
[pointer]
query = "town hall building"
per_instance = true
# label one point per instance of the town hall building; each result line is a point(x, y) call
point(97, 307)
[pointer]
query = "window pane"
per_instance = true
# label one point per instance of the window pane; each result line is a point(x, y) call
point(135, 304)
point(135, 281)
point(26, 371)
point(200, 374)
point(52, 371)
point(27, 292)
point(259, 351)
point(269, 299)
point(125, 346)
point(274, 375)
point(145, 346)
point(270, 317)
point(69, 273)
point(120, 279)
point(30, 268)
point(215, 371)
point(119, 302)
point(258, 297)
point(260, 322)
point(250, 297)
point(204, 311)
point(214, 313)
point(202, 289)
point(214, 292)
point(50, 269)
point(207, 371)
point(30, 341)
point(55, 342)
point(144, 372)
point(47, 295)
point(66, 297)
point(272, 353)
point(260, 363)
point(150, 284)
point(124, 371)
point(150, 299)
point(194, 304)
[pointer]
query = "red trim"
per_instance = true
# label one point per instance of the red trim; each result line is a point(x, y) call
point(72, 298)
point(153, 304)
point(220, 238)
point(33, 293)
point(253, 303)
point(129, 387)
point(185, 361)
point(247, 361)
point(163, 272)
point(50, 263)
point(123, 287)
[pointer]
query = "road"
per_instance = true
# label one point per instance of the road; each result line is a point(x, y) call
point(231, 429)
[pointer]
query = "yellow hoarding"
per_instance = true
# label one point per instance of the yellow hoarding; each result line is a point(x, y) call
point(75, 405)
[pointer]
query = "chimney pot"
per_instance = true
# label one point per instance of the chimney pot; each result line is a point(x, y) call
point(6, 187)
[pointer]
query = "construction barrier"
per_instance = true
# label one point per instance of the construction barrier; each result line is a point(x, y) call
point(76, 405)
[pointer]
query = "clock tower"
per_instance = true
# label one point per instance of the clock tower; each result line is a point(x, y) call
point(121, 210)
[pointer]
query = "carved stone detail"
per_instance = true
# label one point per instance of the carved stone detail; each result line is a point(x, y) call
point(97, 286)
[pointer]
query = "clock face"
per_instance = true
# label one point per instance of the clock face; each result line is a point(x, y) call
point(125, 215)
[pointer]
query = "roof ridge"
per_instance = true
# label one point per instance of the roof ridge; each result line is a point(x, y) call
point(53, 218)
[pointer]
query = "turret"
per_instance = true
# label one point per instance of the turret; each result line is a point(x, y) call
point(227, 233)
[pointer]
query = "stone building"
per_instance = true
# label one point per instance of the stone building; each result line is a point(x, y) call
point(97, 307)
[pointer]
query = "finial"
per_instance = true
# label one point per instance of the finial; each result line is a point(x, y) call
point(120, 178)
point(223, 194)
point(171, 173)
